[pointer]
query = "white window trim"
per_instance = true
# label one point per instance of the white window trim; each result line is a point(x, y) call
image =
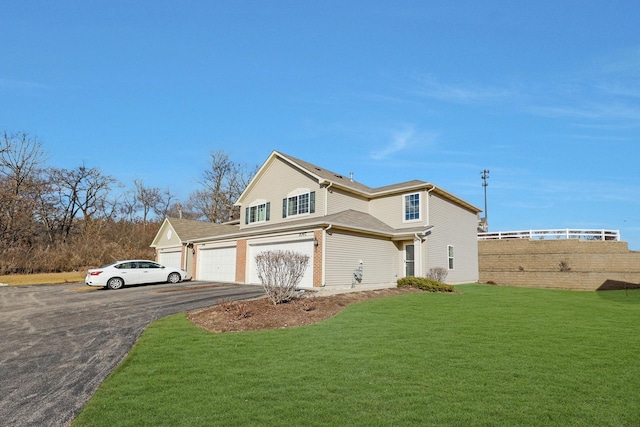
point(297, 193)
point(451, 259)
point(256, 204)
point(404, 207)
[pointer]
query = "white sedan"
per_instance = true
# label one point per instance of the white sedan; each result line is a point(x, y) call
point(133, 272)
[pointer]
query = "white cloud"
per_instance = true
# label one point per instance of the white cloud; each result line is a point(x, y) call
point(592, 112)
point(20, 84)
point(401, 140)
point(627, 89)
point(622, 61)
point(464, 94)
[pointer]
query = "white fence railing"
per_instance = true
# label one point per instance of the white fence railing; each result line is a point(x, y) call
point(567, 233)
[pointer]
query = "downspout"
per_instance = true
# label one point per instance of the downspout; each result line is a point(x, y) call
point(324, 253)
point(426, 261)
point(324, 235)
point(433, 187)
point(189, 257)
point(326, 199)
point(419, 257)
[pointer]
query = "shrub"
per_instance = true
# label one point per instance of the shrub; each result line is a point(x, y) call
point(237, 309)
point(564, 266)
point(280, 272)
point(424, 283)
point(438, 273)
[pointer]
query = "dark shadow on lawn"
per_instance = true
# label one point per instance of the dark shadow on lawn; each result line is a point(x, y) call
point(619, 291)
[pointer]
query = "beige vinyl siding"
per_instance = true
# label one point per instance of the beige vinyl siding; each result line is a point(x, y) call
point(344, 251)
point(390, 209)
point(164, 240)
point(457, 227)
point(278, 180)
point(340, 201)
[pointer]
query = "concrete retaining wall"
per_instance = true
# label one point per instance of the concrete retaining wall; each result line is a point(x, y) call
point(561, 264)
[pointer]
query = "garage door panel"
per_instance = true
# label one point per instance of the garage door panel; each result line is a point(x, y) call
point(217, 264)
point(305, 247)
point(170, 259)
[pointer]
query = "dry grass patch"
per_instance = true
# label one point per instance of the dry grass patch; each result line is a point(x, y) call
point(44, 278)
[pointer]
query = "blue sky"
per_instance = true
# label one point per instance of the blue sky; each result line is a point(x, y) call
point(544, 94)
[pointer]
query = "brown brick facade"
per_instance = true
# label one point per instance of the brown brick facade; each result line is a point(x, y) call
point(317, 259)
point(241, 260)
point(564, 264)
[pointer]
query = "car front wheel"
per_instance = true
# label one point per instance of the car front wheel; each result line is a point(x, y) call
point(115, 283)
point(173, 278)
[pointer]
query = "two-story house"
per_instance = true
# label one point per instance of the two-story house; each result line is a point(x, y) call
point(353, 234)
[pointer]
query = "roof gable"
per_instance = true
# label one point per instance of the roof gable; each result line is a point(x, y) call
point(327, 177)
point(188, 230)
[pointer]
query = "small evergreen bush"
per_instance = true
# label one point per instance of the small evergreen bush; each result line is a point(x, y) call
point(425, 284)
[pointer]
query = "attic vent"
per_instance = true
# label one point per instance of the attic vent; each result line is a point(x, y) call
point(339, 176)
point(318, 169)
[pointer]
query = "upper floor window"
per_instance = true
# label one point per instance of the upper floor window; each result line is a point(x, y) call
point(412, 207)
point(299, 204)
point(258, 212)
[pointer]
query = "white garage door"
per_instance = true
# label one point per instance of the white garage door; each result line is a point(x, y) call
point(170, 259)
point(218, 264)
point(305, 247)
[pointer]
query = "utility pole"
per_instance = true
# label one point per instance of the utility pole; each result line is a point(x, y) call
point(485, 175)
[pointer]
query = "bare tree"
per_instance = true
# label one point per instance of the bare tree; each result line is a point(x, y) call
point(81, 191)
point(222, 183)
point(21, 157)
point(61, 219)
point(438, 273)
point(163, 208)
point(147, 198)
point(280, 273)
point(127, 206)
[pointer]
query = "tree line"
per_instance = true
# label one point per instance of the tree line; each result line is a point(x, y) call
point(58, 219)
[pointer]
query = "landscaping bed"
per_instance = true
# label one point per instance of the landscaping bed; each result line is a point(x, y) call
point(237, 316)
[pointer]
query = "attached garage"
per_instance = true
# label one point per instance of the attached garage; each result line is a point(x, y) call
point(304, 246)
point(217, 264)
point(171, 258)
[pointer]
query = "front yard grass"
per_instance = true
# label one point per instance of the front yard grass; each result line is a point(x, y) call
point(488, 356)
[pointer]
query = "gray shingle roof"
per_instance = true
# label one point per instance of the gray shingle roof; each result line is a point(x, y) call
point(189, 229)
point(346, 182)
point(328, 175)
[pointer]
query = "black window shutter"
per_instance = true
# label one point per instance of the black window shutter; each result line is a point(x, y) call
point(267, 214)
point(246, 216)
point(284, 208)
point(312, 202)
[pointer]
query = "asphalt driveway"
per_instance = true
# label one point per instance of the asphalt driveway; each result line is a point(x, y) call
point(58, 343)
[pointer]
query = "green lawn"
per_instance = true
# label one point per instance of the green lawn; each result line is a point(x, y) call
point(489, 356)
